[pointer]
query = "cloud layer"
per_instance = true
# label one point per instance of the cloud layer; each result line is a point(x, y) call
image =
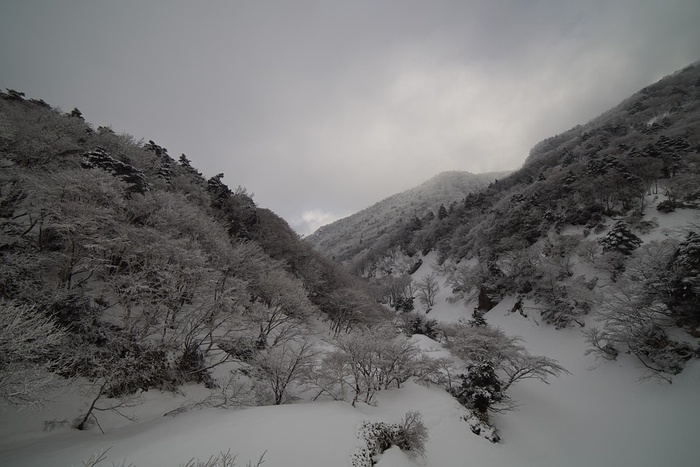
point(323, 108)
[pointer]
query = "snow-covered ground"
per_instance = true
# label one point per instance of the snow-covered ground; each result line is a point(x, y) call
point(599, 415)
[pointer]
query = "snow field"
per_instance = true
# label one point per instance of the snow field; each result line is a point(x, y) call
point(599, 416)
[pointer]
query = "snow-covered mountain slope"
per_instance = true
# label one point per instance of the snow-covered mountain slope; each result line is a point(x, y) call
point(345, 239)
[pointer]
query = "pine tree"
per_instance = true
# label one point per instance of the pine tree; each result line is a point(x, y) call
point(480, 388)
point(218, 190)
point(186, 164)
point(77, 113)
point(620, 239)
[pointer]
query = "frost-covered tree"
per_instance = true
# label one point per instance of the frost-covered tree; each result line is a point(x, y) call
point(561, 298)
point(365, 362)
point(493, 362)
point(142, 264)
point(647, 170)
point(32, 346)
point(505, 354)
point(113, 384)
point(484, 281)
point(279, 307)
point(478, 344)
point(638, 311)
point(34, 135)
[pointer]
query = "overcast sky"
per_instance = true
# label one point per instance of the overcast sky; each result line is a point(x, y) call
point(322, 108)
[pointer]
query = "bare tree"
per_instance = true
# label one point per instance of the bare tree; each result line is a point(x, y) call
point(101, 403)
point(285, 365)
point(522, 365)
point(558, 252)
point(349, 308)
point(332, 377)
point(428, 288)
point(365, 362)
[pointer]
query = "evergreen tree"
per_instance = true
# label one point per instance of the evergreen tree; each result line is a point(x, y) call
point(218, 190)
point(480, 388)
point(186, 164)
point(77, 113)
point(620, 239)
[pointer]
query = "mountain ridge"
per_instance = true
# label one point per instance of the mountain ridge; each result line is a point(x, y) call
point(595, 169)
point(364, 228)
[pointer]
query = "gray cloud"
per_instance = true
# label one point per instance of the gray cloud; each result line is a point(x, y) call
point(322, 108)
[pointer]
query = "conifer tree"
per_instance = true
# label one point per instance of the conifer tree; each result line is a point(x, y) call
point(620, 239)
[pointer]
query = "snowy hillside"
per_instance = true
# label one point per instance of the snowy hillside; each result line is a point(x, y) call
point(601, 168)
point(599, 414)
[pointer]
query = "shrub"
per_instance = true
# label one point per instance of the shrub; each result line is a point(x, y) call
point(409, 435)
point(661, 356)
point(478, 319)
point(666, 206)
point(412, 434)
point(223, 459)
